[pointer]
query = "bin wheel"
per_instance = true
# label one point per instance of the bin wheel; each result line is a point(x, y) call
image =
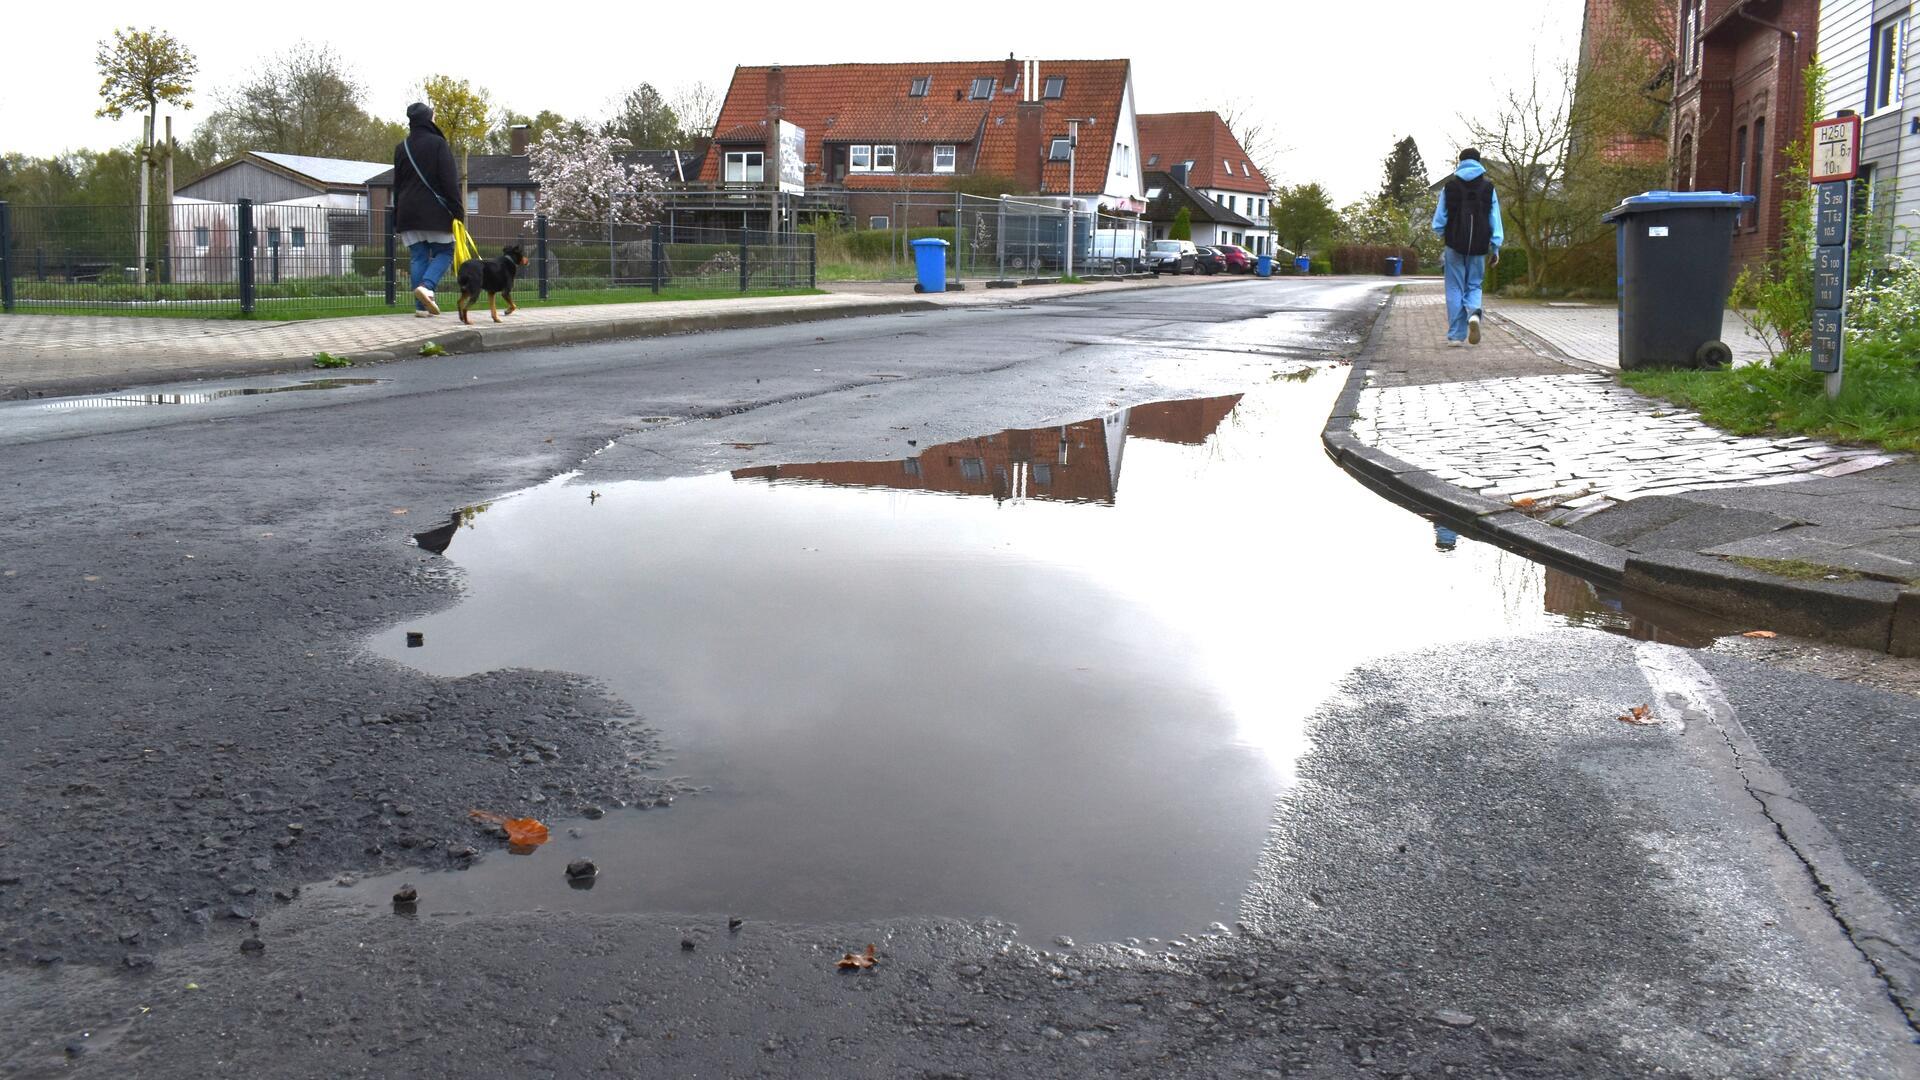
point(917, 287)
point(1713, 355)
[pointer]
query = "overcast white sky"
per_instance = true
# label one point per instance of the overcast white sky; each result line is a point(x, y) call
point(1334, 82)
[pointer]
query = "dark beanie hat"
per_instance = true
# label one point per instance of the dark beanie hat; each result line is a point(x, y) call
point(419, 113)
point(1469, 155)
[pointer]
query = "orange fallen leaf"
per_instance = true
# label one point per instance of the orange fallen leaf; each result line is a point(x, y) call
point(1639, 714)
point(856, 961)
point(1760, 634)
point(1524, 504)
point(521, 832)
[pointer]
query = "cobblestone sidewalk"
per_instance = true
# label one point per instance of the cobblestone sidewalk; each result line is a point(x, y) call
point(1514, 426)
point(1591, 331)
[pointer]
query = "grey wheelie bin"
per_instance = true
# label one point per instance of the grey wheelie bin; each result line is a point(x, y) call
point(1674, 249)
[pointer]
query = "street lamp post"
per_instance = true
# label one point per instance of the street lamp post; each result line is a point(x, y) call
point(1073, 143)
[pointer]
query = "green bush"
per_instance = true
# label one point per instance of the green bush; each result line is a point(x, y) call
point(1321, 266)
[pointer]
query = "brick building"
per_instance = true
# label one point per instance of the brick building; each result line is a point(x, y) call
point(1613, 31)
point(896, 137)
point(1737, 104)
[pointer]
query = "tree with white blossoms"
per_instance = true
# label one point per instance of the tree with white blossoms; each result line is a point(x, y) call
point(581, 180)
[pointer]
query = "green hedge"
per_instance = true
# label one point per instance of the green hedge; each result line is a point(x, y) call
point(302, 289)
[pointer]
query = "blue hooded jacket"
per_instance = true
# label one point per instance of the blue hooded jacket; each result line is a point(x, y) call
point(1469, 170)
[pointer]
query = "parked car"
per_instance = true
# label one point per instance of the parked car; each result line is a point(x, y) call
point(1239, 259)
point(1210, 260)
point(1173, 256)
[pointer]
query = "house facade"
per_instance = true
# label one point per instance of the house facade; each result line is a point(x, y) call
point(1740, 66)
point(1201, 150)
point(900, 140)
point(1207, 216)
point(309, 216)
point(1866, 48)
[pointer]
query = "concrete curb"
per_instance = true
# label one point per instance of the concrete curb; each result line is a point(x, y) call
point(1873, 615)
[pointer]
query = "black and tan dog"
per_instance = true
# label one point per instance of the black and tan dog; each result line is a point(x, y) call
point(493, 277)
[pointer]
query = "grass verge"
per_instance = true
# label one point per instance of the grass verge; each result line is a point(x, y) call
point(338, 308)
point(1879, 402)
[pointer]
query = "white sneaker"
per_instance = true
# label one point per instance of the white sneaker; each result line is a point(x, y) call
point(425, 296)
point(1456, 343)
point(1473, 329)
point(418, 314)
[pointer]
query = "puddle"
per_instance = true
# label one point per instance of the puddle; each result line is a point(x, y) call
point(1055, 675)
point(117, 401)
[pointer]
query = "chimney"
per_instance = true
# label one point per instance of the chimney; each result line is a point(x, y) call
point(1029, 146)
point(518, 136)
point(776, 92)
point(1010, 74)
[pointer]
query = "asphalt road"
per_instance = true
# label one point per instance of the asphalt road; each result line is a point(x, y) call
point(1479, 870)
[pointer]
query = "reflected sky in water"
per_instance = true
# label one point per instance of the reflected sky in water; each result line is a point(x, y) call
point(1056, 675)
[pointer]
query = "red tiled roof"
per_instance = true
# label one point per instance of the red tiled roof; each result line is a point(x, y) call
point(842, 103)
point(1204, 139)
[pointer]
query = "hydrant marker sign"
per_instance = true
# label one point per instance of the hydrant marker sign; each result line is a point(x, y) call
point(1836, 161)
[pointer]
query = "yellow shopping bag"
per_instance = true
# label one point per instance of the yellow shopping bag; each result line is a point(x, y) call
point(463, 246)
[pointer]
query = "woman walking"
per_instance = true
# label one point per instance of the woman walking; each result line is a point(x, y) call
point(426, 190)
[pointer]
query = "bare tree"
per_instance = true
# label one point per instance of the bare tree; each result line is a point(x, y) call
point(697, 104)
point(1251, 132)
point(1524, 146)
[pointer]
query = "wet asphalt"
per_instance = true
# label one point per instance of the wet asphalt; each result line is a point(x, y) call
point(1477, 871)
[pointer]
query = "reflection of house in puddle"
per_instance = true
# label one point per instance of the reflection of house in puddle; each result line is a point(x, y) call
point(1077, 462)
point(1643, 619)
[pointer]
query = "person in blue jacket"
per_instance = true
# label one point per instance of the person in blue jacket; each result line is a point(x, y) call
point(1467, 218)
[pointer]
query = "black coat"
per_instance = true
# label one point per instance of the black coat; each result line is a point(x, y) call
point(414, 206)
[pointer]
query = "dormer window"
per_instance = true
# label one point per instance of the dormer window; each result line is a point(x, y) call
point(1056, 88)
point(860, 158)
point(982, 88)
point(920, 86)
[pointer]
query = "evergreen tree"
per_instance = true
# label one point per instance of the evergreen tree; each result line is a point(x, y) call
point(1182, 228)
point(1405, 178)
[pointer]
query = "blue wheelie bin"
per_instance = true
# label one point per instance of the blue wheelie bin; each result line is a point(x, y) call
point(1263, 266)
point(1302, 264)
point(1393, 266)
point(930, 265)
point(1673, 254)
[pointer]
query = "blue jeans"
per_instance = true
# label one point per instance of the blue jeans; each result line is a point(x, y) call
point(430, 262)
point(1464, 273)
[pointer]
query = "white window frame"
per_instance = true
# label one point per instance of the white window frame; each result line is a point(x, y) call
point(860, 157)
point(1884, 85)
point(949, 151)
point(982, 82)
point(473, 200)
point(754, 172)
point(523, 200)
point(879, 221)
point(885, 156)
point(1227, 165)
point(202, 239)
point(1059, 148)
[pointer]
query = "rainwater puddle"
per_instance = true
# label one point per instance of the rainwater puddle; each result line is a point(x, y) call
point(1056, 676)
point(120, 401)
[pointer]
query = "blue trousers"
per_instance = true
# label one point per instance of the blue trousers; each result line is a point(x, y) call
point(1464, 273)
point(430, 263)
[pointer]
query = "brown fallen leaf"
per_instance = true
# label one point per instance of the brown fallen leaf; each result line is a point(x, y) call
point(1760, 634)
point(1639, 714)
point(856, 961)
point(1524, 504)
point(397, 513)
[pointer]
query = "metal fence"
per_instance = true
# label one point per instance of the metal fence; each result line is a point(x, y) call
point(1011, 238)
point(296, 260)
